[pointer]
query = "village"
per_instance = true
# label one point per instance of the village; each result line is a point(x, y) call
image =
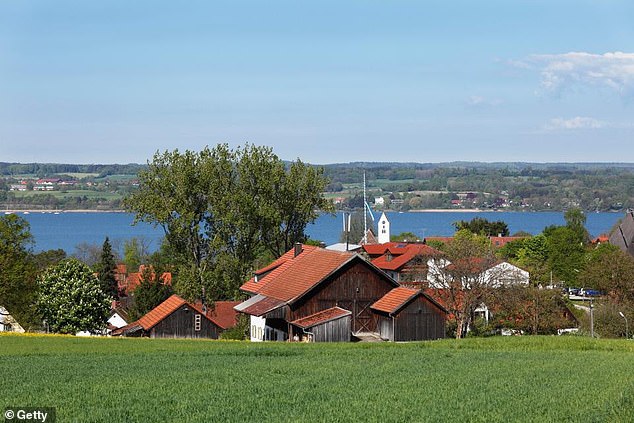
point(377, 290)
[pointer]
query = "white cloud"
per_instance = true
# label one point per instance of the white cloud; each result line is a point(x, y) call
point(614, 71)
point(575, 123)
point(479, 101)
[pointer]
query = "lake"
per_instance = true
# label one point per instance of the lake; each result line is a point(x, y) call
point(68, 229)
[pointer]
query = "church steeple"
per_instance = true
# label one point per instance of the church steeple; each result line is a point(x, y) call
point(383, 229)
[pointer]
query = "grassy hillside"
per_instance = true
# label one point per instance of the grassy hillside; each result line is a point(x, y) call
point(495, 379)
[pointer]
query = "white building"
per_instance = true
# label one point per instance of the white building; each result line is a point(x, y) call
point(383, 229)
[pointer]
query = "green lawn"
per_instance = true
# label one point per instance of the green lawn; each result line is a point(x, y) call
point(539, 379)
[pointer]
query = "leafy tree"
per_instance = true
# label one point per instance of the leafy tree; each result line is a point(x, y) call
point(150, 292)
point(565, 253)
point(482, 226)
point(48, 258)
point(609, 269)
point(71, 299)
point(106, 270)
point(219, 206)
point(575, 221)
point(18, 289)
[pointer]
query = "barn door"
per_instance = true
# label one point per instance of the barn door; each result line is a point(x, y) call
point(364, 319)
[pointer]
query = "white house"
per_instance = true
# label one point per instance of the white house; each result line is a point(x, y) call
point(8, 323)
point(506, 274)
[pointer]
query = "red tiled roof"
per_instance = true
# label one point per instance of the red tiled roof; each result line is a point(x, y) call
point(501, 241)
point(394, 300)
point(161, 311)
point(274, 268)
point(297, 276)
point(222, 313)
point(398, 257)
point(293, 276)
point(321, 317)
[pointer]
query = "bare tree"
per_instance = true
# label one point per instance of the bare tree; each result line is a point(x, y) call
point(466, 275)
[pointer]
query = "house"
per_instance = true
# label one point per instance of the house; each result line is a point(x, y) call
point(623, 235)
point(118, 318)
point(478, 271)
point(177, 318)
point(311, 293)
point(407, 314)
point(402, 261)
point(8, 323)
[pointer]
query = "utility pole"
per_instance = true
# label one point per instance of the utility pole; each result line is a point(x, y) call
point(365, 215)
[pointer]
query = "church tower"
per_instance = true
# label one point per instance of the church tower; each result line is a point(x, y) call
point(383, 229)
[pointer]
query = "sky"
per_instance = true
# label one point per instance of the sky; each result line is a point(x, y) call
point(323, 81)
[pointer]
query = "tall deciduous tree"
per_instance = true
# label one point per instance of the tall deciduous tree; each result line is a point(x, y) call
point(106, 270)
point(71, 299)
point(220, 207)
point(17, 270)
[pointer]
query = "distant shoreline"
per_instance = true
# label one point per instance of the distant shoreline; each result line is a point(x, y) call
point(47, 211)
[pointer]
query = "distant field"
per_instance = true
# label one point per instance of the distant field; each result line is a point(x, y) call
point(539, 379)
point(70, 194)
point(81, 175)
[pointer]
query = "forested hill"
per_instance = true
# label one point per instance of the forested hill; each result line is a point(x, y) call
point(402, 186)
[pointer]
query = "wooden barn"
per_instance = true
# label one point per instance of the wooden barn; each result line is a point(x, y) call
point(311, 293)
point(177, 318)
point(407, 314)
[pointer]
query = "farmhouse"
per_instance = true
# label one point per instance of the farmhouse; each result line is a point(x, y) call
point(177, 318)
point(311, 293)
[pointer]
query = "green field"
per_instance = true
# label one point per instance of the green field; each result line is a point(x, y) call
point(107, 195)
point(540, 379)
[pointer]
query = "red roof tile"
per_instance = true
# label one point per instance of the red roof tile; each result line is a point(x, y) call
point(397, 257)
point(223, 314)
point(394, 300)
point(321, 317)
point(253, 286)
point(161, 311)
point(293, 276)
point(297, 276)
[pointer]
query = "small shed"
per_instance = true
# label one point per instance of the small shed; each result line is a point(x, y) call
point(406, 314)
point(177, 318)
point(330, 325)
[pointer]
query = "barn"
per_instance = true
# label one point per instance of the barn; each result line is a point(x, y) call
point(311, 293)
point(177, 318)
point(407, 314)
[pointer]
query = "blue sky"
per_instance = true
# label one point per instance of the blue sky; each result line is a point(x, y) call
point(327, 81)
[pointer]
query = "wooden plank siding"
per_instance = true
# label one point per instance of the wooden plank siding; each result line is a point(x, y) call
point(354, 287)
point(337, 330)
point(418, 321)
point(181, 324)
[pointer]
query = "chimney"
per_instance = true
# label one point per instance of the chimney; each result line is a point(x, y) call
point(298, 249)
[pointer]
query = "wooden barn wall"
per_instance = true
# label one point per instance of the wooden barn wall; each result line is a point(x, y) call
point(180, 324)
point(420, 320)
point(333, 331)
point(353, 288)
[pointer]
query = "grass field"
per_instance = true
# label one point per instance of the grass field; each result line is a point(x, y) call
point(71, 194)
point(540, 379)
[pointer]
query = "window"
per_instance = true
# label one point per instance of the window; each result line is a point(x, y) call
point(197, 323)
